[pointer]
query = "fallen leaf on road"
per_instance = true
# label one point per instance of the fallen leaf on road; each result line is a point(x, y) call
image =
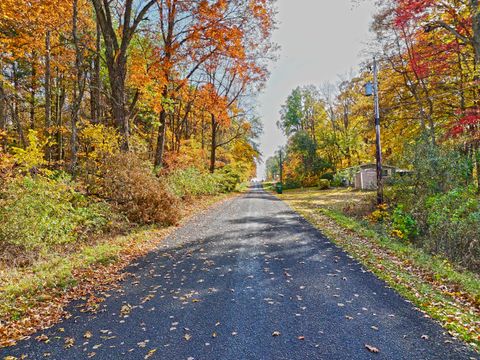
point(372, 349)
point(69, 342)
point(187, 337)
point(125, 310)
point(147, 298)
point(42, 337)
point(150, 354)
point(87, 335)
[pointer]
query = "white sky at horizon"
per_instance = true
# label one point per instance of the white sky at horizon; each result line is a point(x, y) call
point(320, 40)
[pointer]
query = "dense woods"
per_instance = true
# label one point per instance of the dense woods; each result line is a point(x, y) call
point(429, 89)
point(121, 100)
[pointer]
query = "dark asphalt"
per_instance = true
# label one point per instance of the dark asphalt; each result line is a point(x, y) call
point(219, 287)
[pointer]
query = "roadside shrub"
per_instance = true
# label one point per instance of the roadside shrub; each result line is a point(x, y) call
point(291, 184)
point(228, 179)
point(323, 184)
point(310, 181)
point(337, 181)
point(436, 169)
point(403, 224)
point(192, 182)
point(379, 215)
point(129, 183)
point(436, 206)
point(38, 213)
point(452, 226)
point(328, 176)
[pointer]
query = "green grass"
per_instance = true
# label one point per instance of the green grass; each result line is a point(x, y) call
point(56, 274)
point(414, 274)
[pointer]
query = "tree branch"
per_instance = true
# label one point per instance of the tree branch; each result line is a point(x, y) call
point(441, 24)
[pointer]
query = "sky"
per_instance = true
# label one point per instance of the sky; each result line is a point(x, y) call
point(320, 40)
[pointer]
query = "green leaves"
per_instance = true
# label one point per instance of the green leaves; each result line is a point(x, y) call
point(37, 213)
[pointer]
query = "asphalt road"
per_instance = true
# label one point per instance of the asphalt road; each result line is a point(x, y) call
point(225, 284)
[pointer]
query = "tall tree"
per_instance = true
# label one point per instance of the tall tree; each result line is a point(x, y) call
point(117, 36)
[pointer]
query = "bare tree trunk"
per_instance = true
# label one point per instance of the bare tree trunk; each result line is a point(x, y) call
point(203, 131)
point(213, 149)
point(15, 109)
point(78, 90)
point(95, 80)
point(162, 130)
point(33, 86)
point(475, 10)
point(3, 113)
point(48, 92)
point(117, 85)
point(59, 101)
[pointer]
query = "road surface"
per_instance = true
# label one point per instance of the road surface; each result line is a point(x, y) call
point(250, 279)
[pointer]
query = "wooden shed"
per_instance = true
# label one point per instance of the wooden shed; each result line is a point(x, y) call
point(366, 176)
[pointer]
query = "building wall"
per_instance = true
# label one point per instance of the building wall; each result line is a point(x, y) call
point(369, 180)
point(366, 179)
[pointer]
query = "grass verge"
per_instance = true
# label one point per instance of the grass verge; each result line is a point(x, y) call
point(35, 297)
point(449, 295)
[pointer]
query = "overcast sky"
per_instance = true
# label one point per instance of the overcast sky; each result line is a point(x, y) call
point(320, 40)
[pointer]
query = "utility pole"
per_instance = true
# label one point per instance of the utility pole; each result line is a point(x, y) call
point(372, 89)
point(377, 134)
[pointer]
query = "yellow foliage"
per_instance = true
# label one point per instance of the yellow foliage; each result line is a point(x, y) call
point(398, 233)
point(32, 157)
point(380, 214)
point(98, 140)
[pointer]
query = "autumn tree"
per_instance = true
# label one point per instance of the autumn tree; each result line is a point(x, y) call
point(117, 34)
point(194, 32)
